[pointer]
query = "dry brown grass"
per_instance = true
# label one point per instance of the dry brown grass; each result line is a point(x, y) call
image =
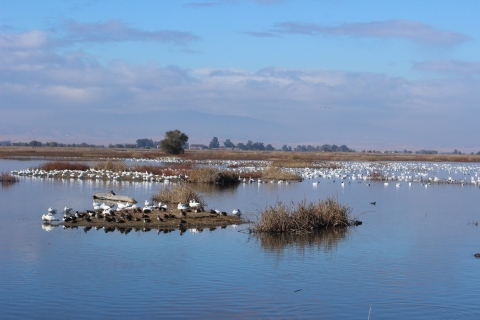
point(213, 176)
point(7, 178)
point(63, 165)
point(303, 217)
point(96, 153)
point(377, 176)
point(305, 164)
point(179, 194)
point(111, 165)
point(251, 174)
point(275, 173)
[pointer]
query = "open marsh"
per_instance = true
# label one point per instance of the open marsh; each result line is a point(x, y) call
point(413, 256)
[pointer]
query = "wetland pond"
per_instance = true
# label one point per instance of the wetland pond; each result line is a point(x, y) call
point(412, 258)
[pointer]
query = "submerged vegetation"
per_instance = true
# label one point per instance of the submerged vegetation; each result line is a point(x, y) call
point(304, 217)
point(179, 194)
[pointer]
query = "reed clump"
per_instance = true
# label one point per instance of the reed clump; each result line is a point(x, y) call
point(303, 217)
point(111, 165)
point(213, 176)
point(179, 194)
point(276, 173)
point(63, 165)
point(7, 177)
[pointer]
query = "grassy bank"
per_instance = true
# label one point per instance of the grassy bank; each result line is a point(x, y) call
point(51, 153)
point(213, 176)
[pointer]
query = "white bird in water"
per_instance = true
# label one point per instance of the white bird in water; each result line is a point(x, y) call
point(67, 209)
point(236, 212)
point(52, 211)
point(48, 217)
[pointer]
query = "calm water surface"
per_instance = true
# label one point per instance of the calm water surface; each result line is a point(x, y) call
point(412, 258)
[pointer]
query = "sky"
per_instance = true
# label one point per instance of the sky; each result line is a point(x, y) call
point(384, 75)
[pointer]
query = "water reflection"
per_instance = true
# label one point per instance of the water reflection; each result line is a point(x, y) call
point(126, 230)
point(277, 243)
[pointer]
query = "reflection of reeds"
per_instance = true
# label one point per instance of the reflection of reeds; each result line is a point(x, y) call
point(277, 242)
point(303, 217)
point(179, 194)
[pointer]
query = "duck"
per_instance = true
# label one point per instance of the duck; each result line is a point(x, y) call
point(236, 212)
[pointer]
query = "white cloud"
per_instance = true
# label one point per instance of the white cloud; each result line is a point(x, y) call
point(402, 29)
point(464, 68)
point(298, 104)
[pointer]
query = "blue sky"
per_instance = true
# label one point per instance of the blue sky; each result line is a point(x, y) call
point(369, 74)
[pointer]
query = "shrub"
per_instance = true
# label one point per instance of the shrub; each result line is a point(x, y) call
point(273, 172)
point(63, 165)
point(213, 176)
point(6, 177)
point(179, 194)
point(111, 165)
point(303, 216)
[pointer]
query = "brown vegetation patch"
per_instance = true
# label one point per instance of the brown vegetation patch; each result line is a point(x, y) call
point(377, 176)
point(213, 176)
point(63, 165)
point(251, 174)
point(303, 216)
point(6, 178)
point(275, 173)
point(179, 194)
point(110, 165)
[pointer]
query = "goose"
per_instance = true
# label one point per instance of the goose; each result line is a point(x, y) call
point(147, 209)
point(52, 211)
point(104, 206)
point(236, 212)
point(194, 204)
point(48, 217)
point(182, 206)
point(66, 209)
point(147, 203)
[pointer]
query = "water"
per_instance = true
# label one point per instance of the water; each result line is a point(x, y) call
point(412, 257)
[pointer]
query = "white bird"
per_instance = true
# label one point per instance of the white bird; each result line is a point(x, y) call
point(147, 203)
point(104, 206)
point(67, 209)
point(52, 211)
point(48, 217)
point(182, 206)
point(236, 212)
point(147, 209)
point(194, 204)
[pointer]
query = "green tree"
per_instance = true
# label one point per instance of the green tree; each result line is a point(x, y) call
point(228, 144)
point(269, 147)
point(214, 143)
point(174, 142)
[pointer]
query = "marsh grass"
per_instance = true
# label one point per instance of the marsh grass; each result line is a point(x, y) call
point(303, 217)
point(276, 173)
point(111, 165)
point(7, 178)
point(305, 164)
point(213, 176)
point(63, 165)
point(179, 194)
point(377, 176)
